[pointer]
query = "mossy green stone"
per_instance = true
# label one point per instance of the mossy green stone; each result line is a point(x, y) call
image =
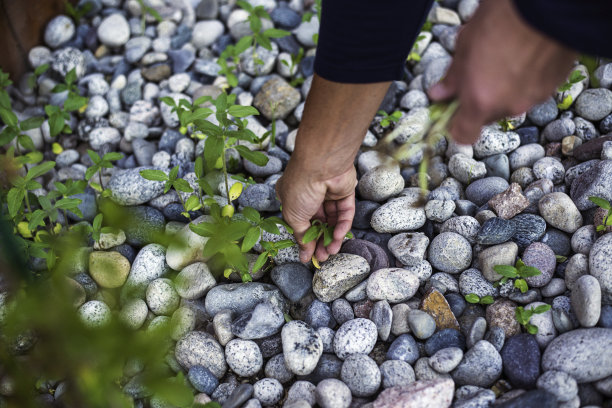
point(108, 269)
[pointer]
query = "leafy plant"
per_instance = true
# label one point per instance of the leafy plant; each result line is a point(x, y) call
point(100, 163)
point(566, 99)
point(293, 67)
point(474, 298)
point(150, 11)
point(40, 70)
point(506, 124)
point(172, 180)
point(523, 316)
point(414, 52)
point(75, 102)
point(317, 7)
point(259, 36)
point(318, 229)
point(604, 204)
point(387, 119)
point(78, 12)
point(518, 272)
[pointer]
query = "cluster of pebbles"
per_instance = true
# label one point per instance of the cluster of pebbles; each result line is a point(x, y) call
point(384, 323)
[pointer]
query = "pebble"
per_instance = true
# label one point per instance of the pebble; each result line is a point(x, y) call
point(382, 316)
point(361, 375)
point(476, 332)
point(114, 31)
point(276, 99)
point(59, 31)
point(436, 305)
point(194, 281)
point(521, 360)
point(149, 264)
point(302, 390)
point(599, 265)
point(450, 252)
point(502, 254)
point(544, 112)
point(243, 357)
point(318, 314)
point(268, 391)
point(493, 141)
point(200, 348)
point(559, 210)
point(161, 297)
point(540, 256)
point(333, 393)
point(594, 104)
point(446, 360)
point(202, 379)
point(586, 300)
point(264, 320)
point(533, 398)
point(205, 33)
point(241, 298)
point(422, 325)
point(585, 354)
point(472, 281)
point(558, 383)
point(128, 187)
point(430, 393)
point(481, 191)
point(510, 202)
point(529, 228)
point(465, 169)
point(108, 269)
point(94, 314)
point(481, 366)
point(236, 395)
point(558, 129)
point(398, 215)
point(337, 275)
point(396, 373)
point(394, 285)
point(186, 247)
point(374, 254)
point(302, 347)
point(404, 348)
point(443, 339)
point(596, 181)
point(134, 313)
point(380, 183)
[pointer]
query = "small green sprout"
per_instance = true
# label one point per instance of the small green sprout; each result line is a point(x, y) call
point(98, 164)
point(474, 298)
point(387, 119)
point(605, 204)
point(518, 272)
point(523, 316)
point(566, 99)
point(318, 229)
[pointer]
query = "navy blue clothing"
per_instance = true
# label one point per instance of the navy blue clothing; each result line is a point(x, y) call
point(364, 41)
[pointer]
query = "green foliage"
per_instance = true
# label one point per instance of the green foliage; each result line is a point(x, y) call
point(523, 316)
point(566, 99)
point(100, 163)
point(40, 70)
point(506, 124)
point(474, 298)
point(387, 119)
point(604, 204)
point(591, 63)
point(518, 273)
point(230, 57)
point(317, 7)
point(150, 11)
point(58, 117)
point(318, 229)
point(293, 67)
point(78, 12)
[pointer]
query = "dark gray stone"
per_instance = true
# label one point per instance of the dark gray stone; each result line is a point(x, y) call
point(521, 360)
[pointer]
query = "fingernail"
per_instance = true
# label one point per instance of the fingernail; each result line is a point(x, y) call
point(303, 257)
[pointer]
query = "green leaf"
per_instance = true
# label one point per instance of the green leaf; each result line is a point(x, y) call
point(26, 142)
point(601, 228)
point(270, 226)
point(521, 285)
point(182, 186)
point(41, 69)
point(97, 222)
point(255, 157)
point(193, 203)
point(71, 76)
point(312, 233)
point(56, 124)
point(260, 262)
point(560, 258)
point(472, 298)
point(36, 220)
point(603, 203)
point(527, 271)
point(328, 235)
point(566, 103)
point(89, 173)
point(14, 199)
point(173, 173)
point(532, 329)
point(250, 239)
point(112, 156)
point(285, 243)
point(39, 170)
point(168, 101)
point(8, 117)
point(275, 33)
point(213, 149)
point(251, 214)
point(241, 111)
point(154, 175)
point(541, 309)
point(576, 76)
point(487, 300)
point(507, 271)
point(74, 102)
point(31, 123)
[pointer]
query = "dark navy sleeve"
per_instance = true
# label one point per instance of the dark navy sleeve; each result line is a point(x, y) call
point(584, 25)
point(364, 41)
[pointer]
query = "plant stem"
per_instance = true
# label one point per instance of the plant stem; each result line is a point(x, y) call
point(100, 178)
point(27, 201)
point(225, 177)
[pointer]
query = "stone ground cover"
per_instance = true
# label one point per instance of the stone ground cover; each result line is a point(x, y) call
point(385, 323)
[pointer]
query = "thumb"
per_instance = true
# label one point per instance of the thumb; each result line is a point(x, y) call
point(445, 89)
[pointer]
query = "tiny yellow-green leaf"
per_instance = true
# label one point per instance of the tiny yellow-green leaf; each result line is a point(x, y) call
point(315, 262)
point(227, 272)
point(219, 163)
point(235, 191)
point(57, 148)
point(23, 229)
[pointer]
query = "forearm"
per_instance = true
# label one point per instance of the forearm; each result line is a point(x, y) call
point(335, 121)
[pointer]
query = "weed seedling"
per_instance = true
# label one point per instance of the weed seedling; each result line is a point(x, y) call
point(518, 272)
point(566, 99)
point(387, 119)
point(523, 316)
point(605, 204)
point(98, 164)
point(474, 298)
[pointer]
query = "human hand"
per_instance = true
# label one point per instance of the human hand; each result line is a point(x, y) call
point(502, 67)
point(304, 197)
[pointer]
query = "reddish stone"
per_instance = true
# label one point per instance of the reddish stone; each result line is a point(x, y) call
point(509, 203)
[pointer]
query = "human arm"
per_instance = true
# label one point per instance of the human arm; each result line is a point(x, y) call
point(319, 181)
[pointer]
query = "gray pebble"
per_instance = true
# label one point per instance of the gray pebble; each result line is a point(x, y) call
point(361, 374)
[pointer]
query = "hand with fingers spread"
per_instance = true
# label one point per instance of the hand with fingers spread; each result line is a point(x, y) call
point(502, 67)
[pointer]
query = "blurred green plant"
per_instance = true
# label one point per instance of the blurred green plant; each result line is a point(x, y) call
point(518, 273)
point(523, 316)
point(605, 205)
point(566, 99)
